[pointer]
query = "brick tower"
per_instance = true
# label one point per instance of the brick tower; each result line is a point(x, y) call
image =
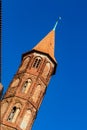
point(25, 93)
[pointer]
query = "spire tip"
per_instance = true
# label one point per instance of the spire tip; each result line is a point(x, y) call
point(56, 24)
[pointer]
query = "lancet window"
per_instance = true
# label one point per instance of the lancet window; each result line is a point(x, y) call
point(15, 82)
point(14, 113)
point(26, 86)
point(26, 119)
point(46, 70)
point(36, 93)
point(24, 64)
point(37, 62)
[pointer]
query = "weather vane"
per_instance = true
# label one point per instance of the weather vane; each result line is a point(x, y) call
point(56, 23)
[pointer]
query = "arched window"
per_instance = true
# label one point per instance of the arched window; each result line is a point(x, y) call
point(26, 86)
point(26, 120)
point(36, 93)
point(46, 70)
point(24, 64)
point(14, 113)
point(37, 62)
point(15, 82)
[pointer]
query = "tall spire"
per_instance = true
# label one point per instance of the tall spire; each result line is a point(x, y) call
point(47, 44)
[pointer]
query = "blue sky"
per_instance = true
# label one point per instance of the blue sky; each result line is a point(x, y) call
point(24, 24)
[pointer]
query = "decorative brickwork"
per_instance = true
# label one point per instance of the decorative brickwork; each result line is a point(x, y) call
point(25, 93)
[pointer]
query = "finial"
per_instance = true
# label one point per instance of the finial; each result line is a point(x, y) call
point(56, 24)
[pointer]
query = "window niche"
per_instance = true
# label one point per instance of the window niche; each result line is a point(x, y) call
point(14, 113)
point(4, 107)
point(36, 93)
point(24, 64)
point(26, 86)
point(36, 62)
point(26, 119)
point(46, 70)
point(15, 82)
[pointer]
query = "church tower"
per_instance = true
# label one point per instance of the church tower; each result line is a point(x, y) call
point(25, 93)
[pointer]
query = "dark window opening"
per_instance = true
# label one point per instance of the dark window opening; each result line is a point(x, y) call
point(12, 114)
point(26, 83)
point(26, 86)
point(37, 63)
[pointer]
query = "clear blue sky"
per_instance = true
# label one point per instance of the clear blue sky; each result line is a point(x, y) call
point(25, 23)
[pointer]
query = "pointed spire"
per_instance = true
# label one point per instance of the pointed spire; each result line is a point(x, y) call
point(46, 45)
